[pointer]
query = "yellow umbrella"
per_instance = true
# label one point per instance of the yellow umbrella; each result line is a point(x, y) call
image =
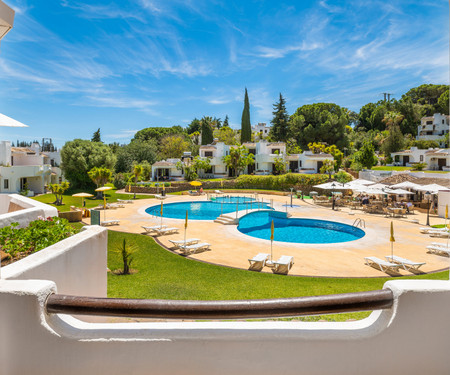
point(103, 189)
point(82, 195)
point(196, 183)
point(185, 226)
point(392, 239)
point(446, 214)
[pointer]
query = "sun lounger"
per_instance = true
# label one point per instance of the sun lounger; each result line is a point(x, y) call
point(218, 192)
point(382, 264)
point(438, 250)
point(109, 222)
point(258, 261)
point(114, 205)
point(283, 265)
point(405, 263)
point(161, 197)
point(439, 233)
point(431, 229)
point(163, 231)
point(154, 228)
point(125, 201)
point(190, 249)
point(189, 241)
point(193, 192)
point(440, 244)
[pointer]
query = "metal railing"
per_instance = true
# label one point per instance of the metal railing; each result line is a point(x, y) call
point(235, 309)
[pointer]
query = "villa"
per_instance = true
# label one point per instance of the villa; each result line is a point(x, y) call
point(436, 159)
point(433, 128)
point(261, 129)
point(28, 168)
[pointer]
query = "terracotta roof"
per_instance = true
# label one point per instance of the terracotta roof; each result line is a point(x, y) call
point(208, 146)
point(22, 149)
point(397, 178)
point(163, 163)
point(430, 180)
point(249, 144)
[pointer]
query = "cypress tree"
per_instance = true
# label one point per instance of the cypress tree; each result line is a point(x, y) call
point(207, 132)
point(280, 121)
point(225, 122)
point(246, 128)
point(96, 136)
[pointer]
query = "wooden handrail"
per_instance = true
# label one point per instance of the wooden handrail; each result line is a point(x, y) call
point(233, 309)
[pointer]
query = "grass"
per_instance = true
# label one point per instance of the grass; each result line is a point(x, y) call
point(385, 168)
point(68, 200)
point(164, 275)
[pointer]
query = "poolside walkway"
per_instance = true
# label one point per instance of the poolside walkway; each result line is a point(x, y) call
point(230, 247)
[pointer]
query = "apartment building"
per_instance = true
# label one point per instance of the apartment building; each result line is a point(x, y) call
point(433, 128)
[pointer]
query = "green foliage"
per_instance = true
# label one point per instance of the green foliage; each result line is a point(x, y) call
point(394, 142)
point(100, 176)
point(137, 151)
point(279, 165)
point(59, 190)
point(428, 96)
point(320, 121)
point(292, 147)
point(328, 167)
point(157, 133)
point(191, 167)
point(419, 166)
point(227, 135)
point(424, 145)
point(38, 235)
point(280, 121)
point(96, 136)
point(207, 131)
point(225, 122)
point(246, 127)
point(304, 182)
point(365, 157)
point(238, 158)
point(80, 156)
point(343, 177)
point(443, 103)
point(120, 181)
point(172, 146)
point(126, 252)
point(194, 126)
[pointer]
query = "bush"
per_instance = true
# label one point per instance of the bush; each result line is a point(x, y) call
point(343, 177)
point(419, 166)
point(119, 181)
point(167, 184)
point(38, 235)
point(284, 182)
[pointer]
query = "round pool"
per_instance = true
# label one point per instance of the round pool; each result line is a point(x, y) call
point(257, 224)
point(205, 210)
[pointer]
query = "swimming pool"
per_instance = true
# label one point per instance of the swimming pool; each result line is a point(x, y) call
point(205, 210)
point(257, 224)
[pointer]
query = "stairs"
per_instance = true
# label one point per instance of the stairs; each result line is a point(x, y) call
point(226, 220)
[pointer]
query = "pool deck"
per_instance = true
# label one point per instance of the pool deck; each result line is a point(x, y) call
point(230, 247)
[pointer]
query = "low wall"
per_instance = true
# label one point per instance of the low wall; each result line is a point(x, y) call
point(16, 208)
point(77, 265)
point(411, 338)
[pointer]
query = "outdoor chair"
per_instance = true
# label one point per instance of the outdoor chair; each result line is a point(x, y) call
point(105, 223)
point(258, 261)
point(128, 201)
point(189, 241)
point(190, 249)
point(153, 228)
point(283, 265)
point(218, 192)
point(382, 264)
point(438, 250)
point(405, 263)
point(164, 231)
point(439, 233)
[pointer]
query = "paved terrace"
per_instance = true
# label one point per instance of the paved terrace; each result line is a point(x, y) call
point(231, 248)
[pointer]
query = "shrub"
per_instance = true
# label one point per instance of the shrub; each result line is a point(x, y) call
point(119, 181)
point(284, 182)
point(419, 166)
point(38, 235)
point(342, 177)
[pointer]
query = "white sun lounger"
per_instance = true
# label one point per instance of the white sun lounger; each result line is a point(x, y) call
point(283, 265)
point(218, 192)
point(124, 200)
point(163, 231)
point(439, 233)
point(382, 264)
point(258, 261)
point(161, 197)
point(439, 250)
point(154, 228)
point(105, 223)
point(114, 205)
point(405, 263)
point(189, 249)
point(189, 241)
point(431, 229)
point(439, 244)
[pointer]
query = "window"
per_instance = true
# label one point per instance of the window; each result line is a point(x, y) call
point(274, 150)
point(208, 154)
point(300, 164)
point(6, 183)
point(443, 121)
point(421, 158)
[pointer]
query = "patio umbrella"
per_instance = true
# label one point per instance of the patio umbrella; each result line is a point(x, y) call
point(432, 188)
point(333, 186)
point(392, 239)
point(185, 226)
point(405, 185)
point(398, 191)
point(103, 189)
point(82, 195)
point(195, 184)
point(10, 122)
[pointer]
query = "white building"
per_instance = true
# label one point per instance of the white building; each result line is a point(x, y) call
point(166, 170)
point(433, 128)
point(307, 162)
point(24, 168)
point(262, 130)
point(436, 159)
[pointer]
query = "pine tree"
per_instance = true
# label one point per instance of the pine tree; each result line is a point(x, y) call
point(280, 121)
point(246, 128)
point(225, 122)
point(96, 136)
point(207, 132)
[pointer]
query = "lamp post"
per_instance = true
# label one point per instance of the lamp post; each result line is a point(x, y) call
point(428, 198)
point(332, 196)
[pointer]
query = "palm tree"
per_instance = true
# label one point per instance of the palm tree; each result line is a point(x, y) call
point(100, 176)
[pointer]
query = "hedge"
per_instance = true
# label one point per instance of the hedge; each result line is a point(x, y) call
point(285, 182)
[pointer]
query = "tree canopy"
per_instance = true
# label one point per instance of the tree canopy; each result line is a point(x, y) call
point(207, 130)
point(238, 158)
point(280, 121)
point(172, 146)
point(80, 156)
point(156, 133)
point(137, 151)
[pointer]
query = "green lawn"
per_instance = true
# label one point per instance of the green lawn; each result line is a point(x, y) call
point(68, 200)
point(164, 275)
point(384, 168)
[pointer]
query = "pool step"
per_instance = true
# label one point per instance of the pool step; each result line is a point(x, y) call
point(226, 220)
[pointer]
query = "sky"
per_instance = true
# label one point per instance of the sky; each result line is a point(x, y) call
point(68, 67)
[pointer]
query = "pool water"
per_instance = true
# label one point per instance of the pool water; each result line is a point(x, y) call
point(205, 210)
point(257, 224)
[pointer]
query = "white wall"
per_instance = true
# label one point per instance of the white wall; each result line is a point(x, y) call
point(77, 264)
point(411, 338)
point(443, 200)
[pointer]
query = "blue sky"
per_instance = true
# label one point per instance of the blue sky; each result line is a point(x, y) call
point(70, 67)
